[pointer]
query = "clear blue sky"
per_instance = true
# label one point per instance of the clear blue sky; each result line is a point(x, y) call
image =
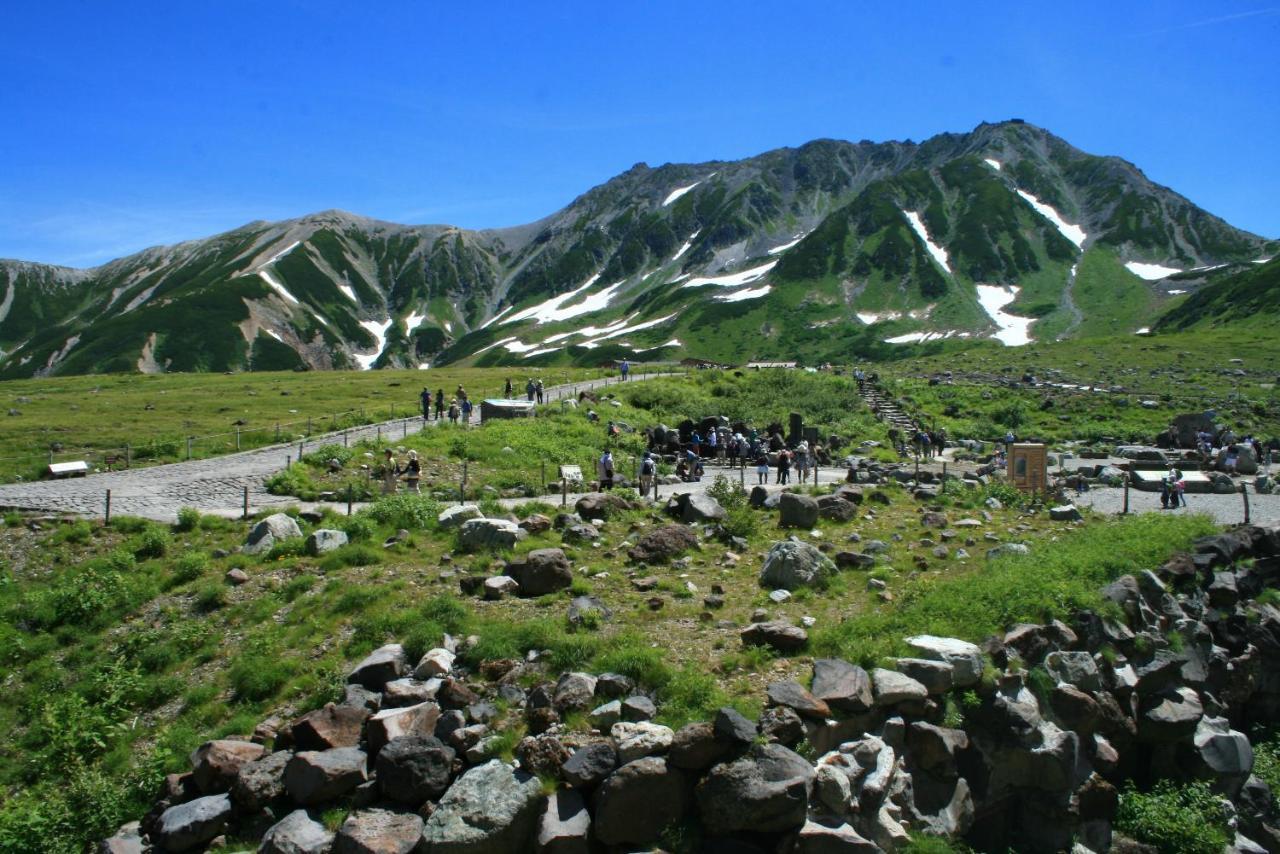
point(131, 124)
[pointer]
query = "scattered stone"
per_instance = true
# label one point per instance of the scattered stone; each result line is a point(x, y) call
point(489, 534)
point(193, 824)
point(638, 801)
point(1065, 513)
point(380, 667)
point(325, 540)
point(730, 725)
point(390, 724)
point(891, 687)
point(965, 658)
point(215, 764)
point(565, 824)
point(316, 776)
point(842, 685)
point(276, 528)
point(414, 769)
point(781, 636)
point(636, 740)
point(260, 782)
point(585, 608)
point(454, 517)
point(434, 662)
point(638, 708)
point(236, 577)
point(797, 511)
point(330, 726)
point(541, 571)
point(765, 791)
point(663, 543)
point(499, 587)
point(296, 833)
point(490, 808)
point(791, 565)
point(589, 764)
point(377, 831)
point(793, 695)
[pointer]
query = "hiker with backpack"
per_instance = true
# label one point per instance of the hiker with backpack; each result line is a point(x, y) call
point(648, 470)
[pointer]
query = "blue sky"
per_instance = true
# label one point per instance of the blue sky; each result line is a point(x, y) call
point(133, 124)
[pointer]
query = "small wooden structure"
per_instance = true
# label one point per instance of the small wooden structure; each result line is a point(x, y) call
point(77, 468)
point(571, 475)
point(1028, 466)
point(505, 408)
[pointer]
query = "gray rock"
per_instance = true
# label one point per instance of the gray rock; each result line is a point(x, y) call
point(695, 747)
point(584, 608)
point(935, 676)
point(638, 801)
point(601, 505)
point(637, 740)
point(215, 764)
point(316, 776)
point(836, 508)
point(797, 511)
point(842, 685)
point(390, 724)
point(791, 565)
point(965, 658)
point(700, 507)
point(730, 725)
point(663, 543)
point(126, 840)
point(489, 534)
point(764, 791)
point(604, 716)
point(541, 571)
point(934, 748)
point(574, 692)
point(565, 825)
point(491, 809)
point(377, 831)
point(1065, 513)
point(1170, 715)
point(1225, 752)
point(500, 586)
point(454, 517)
point(781, 636)
point(414, 769)
point(891, 687)
point(795, 696)
point(831, 836)
point(1074, 668)
point(271, 530)
point(638, 708)
point(1006, 549)
point(582, 532)
point(296, 833)
point(260, 782)
point(325, 540)
point(380, 667)
point(434, 662)
point(191, 825)
point(589, 764)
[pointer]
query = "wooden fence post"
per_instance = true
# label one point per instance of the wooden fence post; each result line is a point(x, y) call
point(106, 516)
point(237, 438)
point(189, 438)
point(246, 503)
point(128, 455)
point(1244, 493)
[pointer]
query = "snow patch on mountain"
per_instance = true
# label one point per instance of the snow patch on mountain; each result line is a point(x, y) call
point(939, 254)
point(678, 192)
point(688, 243)
point(557, 308)
point(1150, 272)
point(1074, 233)
point(745, 294)
point(413, 321)
point(379, 331)
point(1014, 331)
point(627, 330)
point(994, 164)
point(918, 337)
point(276, 286)
point(732, 280)
point(486, 324)
point(778, 250)
point(349, 293)
point(274, 334)
point(283, 252)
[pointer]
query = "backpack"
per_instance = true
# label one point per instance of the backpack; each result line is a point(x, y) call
point(646, 467)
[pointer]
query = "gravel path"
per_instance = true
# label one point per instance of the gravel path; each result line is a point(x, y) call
point(1227, 509)
point(215, 485)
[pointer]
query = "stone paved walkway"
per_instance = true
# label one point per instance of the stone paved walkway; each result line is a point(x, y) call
point(216, 485)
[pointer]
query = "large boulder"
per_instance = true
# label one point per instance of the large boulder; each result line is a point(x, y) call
point(541, 571)
point(191, 825)
point(891, 687)
point(797, 511)
point(380, 667)
point(842, 685)
point(793, 695)
point(791, 565)
point(836, 508)
point(479, 534)
point(640, 739)
point(414, 769)
point(783, 637)
point(390, 724)
point(1170, 715)
point(215, 763)
point(696, 747)
point(316, 776)
point(590, 764)
point(329, 726)
point(297, 833)
point(601, 505)
point(1224, 752)
point(325, 540)
point(260, 782)
point(638, 801)
point(965, 658)
point(565, 825)
point(700, 507)
point(276, 528)
point(491, 809)
point(764, 791)
point(454, 517)
point(377, 831)
point(663, 543)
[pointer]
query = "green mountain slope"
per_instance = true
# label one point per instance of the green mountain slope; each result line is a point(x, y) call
point(1250, 296)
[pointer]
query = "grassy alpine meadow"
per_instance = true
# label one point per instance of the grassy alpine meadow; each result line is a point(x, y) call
point(90, 417)
point(1140, 382)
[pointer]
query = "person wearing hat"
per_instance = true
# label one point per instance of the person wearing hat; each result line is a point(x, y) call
point(390, 473)
point(647, 470)
point(413, 473)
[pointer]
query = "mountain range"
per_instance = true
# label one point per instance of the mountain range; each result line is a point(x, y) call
point(827, 251)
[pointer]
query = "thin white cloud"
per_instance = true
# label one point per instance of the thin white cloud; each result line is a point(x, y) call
point(1209, 22)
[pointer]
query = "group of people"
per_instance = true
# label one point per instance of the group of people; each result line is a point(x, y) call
point(1173, 490)
point(459, 406)
point(391, 471)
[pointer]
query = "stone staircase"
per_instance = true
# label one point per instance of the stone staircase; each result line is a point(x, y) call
point(888, 410)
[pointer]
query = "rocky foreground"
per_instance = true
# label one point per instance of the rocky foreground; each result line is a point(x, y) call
point(1161, 687)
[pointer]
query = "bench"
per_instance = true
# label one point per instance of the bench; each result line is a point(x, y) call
point(77, 468)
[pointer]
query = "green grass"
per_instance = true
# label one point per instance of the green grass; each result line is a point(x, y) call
point(1186, 818)
point(88, 417)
